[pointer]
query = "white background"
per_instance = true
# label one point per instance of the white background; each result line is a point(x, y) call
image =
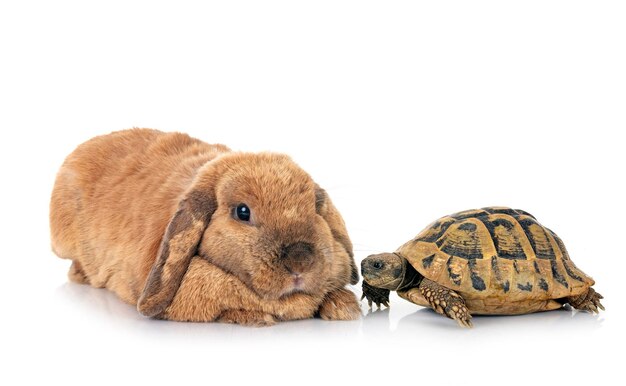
point(403, 111)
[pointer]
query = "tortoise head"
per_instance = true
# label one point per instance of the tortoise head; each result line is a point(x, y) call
point(385, 270)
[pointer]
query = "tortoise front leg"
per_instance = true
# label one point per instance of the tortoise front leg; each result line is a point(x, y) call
point(376, 295)
point(446, 302)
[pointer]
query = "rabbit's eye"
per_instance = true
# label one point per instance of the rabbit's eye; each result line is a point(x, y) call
point(242, 212)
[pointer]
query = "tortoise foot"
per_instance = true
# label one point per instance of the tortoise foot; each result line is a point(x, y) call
point(446, 302)
point(375, 295)
point(455, 309)
point(589, 301)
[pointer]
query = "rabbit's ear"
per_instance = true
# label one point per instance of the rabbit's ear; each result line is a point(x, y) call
point(178, 247)
point(327, 210)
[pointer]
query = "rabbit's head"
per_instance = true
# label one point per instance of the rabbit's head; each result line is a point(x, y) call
point(261, 218)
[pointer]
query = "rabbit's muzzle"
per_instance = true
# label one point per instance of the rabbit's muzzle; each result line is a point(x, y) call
point(298, 257)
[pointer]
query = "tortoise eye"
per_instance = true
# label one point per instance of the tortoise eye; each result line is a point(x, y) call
point(378, 264)
point(242, 212)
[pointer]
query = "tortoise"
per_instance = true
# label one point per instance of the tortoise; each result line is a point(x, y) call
point(489, 261)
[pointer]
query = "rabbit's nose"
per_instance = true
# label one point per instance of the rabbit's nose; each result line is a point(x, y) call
point(297, 257)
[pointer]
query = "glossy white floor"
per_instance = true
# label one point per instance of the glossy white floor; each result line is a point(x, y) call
point(404, 112)
point(53, 330)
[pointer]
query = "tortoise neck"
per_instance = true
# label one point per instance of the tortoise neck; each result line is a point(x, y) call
point(411, 277)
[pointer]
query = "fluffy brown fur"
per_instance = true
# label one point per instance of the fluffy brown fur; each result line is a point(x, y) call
point(151, 216)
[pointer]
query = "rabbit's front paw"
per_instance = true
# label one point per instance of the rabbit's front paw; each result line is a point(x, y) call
point(340, 304)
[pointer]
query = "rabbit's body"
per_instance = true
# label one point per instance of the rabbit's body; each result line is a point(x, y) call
point(101, 193)
point(134, 209)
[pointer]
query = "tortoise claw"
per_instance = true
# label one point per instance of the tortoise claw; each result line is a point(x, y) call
point(382, 303)
point(589, 302)
point(375, 295)
point(462, 316)
point(464, 320)
point(467, 323)
point(596, 302)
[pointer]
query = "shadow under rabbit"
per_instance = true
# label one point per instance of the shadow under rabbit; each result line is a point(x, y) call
point(96, 303)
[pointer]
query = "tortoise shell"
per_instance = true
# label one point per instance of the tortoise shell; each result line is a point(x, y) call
point(498, 253)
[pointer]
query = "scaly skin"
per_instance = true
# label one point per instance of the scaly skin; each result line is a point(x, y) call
point(446, 302)
point(375, 295)
point(588, 301)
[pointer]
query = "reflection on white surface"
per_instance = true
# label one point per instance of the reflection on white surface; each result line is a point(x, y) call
point(401, 320)
point(76, 332)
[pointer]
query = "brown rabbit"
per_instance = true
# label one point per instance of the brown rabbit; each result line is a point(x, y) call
point(191, 231)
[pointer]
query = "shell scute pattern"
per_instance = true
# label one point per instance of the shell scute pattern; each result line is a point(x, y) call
point(495, 252)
